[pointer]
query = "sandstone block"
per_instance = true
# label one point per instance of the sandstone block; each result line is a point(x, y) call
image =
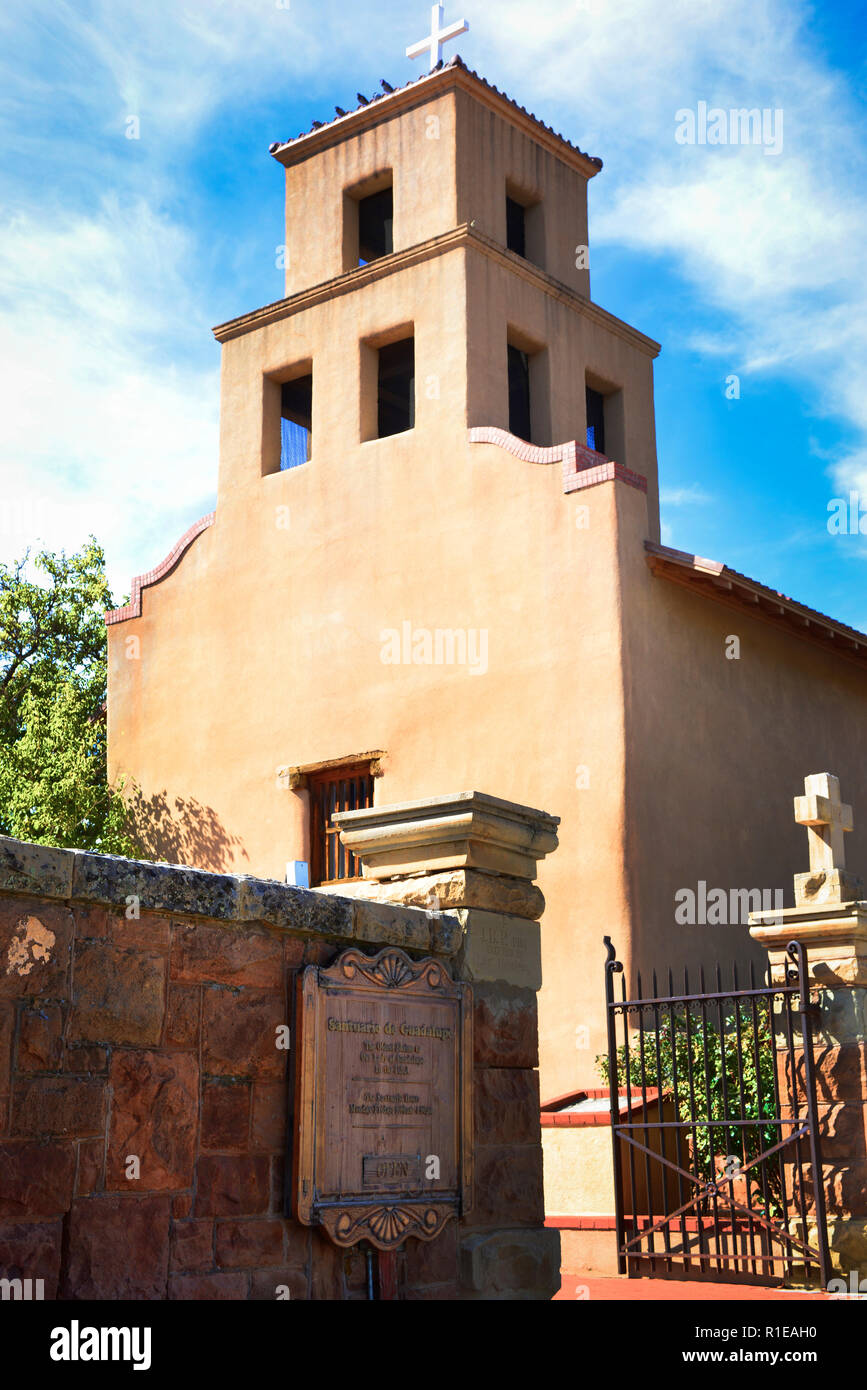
point(120, 996)
point(326, 1281)
point(147, 933)
point(155, 1117)
point(91, 1167)
point(32, 1251)
point(160, 888)
point(321, 952)
point(7, 1030)
point(504, 1026)
point(507, 1186)
point(454, 888)
point(233, 1186)
point(506, 1101)
point(35, 944)
point(35, 869)
point(40, 1039)
point(293, 952)
point(36, 1180)
point(208, 1288)
point(385, 924)
point(249, 1244)
point(86, 1058)
point(240, 1033)
point(226, 1115)
point(281, 905)
point(497, 947)
point(270, 1116)
point(227, 955)
point(511, 1263)
point(91, 921)
point(58, 1106)
point(192, 1246)
point(433, 1261)
point(182, 1016)
point(118, 1248)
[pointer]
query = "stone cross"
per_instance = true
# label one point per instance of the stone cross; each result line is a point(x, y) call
point(437, 37)
point(826, 818)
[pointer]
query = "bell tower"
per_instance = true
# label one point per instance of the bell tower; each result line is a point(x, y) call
point(437, 280)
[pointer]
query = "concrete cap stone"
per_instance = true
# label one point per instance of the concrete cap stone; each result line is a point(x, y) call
point(464, 830)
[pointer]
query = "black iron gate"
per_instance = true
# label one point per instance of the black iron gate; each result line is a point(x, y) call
point(717, 1166)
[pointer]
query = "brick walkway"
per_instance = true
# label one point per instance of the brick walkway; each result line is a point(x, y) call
point(669, 1290)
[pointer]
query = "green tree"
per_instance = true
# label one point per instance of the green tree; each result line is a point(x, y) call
point(53, 787)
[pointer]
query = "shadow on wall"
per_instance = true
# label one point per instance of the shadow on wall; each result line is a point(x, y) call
point(181, 831)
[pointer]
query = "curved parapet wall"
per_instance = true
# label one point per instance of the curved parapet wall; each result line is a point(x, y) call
point(144, 581)
point(582, 467)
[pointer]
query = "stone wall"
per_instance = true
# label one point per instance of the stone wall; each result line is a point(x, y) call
point(155, 1035)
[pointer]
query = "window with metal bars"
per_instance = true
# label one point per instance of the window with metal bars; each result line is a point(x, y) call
point(348, 788)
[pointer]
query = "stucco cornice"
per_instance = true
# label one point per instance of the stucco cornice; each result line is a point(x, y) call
point(420, 91)
point(716, 581)
point(466, 236)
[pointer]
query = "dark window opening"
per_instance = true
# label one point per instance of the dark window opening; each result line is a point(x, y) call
point(516, 227)
point(375, 224)
point(396, 401)
point(519, 393)
point(296, 408)
point(595, 420)
point(347, 788)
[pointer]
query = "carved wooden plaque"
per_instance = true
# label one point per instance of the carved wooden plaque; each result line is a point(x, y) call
point(383, 1137)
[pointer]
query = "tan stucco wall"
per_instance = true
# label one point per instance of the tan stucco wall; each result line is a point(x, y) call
point(417, 145)
point(717, 750)
point(579, 1176)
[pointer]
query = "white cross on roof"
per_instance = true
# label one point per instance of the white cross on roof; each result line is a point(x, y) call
point(437, 37)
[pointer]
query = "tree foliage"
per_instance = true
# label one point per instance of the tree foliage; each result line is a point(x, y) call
point(53, 787)
point(714, 1074)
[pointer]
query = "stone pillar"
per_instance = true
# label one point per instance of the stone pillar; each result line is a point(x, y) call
point(474, 857)
point(830, 920)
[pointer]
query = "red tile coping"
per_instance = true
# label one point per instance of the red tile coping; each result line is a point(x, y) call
point(596, 1222)
point(551, 1114)
point(582, 467)
point(580, 1285)
point(144, 581)
point(581, 1223)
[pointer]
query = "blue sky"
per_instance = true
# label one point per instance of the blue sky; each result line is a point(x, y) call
point(117, 255)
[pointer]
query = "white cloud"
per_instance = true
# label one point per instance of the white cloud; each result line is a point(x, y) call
point(684, 496)
point(106, 432)
point(770, 247)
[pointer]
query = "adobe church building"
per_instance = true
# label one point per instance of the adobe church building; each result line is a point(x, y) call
point(435, 563)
